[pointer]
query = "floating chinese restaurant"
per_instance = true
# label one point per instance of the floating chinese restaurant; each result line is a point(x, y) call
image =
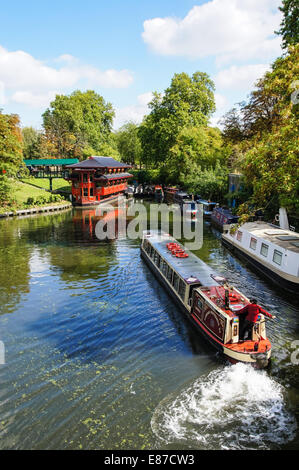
point(97, 179)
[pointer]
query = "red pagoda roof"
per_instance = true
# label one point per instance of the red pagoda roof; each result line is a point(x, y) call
point(99, 162)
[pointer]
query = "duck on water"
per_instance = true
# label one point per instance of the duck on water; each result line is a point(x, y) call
point(219, 312)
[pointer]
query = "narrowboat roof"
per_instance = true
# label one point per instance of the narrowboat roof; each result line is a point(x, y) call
point(284, 238)
point(99, 162)
point(192, 269)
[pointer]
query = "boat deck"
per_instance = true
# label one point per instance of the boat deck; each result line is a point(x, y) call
point(217, 295)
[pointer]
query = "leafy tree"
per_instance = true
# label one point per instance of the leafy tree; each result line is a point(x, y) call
point(31, 143)
point(128, 143)
point(196, 147)
point(10, 153)
point(77, 121)
point(210, 183)
point(269, 125)
point(187, 102)
point(289, 27)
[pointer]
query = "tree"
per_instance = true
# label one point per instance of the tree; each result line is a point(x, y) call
point(77, 121)
point(196, 147)
point(187, 102)
point(289, 27)
point(31, 143)
point(270, 126)
point(128, 143)
point(11, 157)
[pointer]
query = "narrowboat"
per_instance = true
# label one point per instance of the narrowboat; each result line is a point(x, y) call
point(208, 206)
point(206, 299)
point(169, 193)
point(269, 249)
point(187, 205)
point(222, 218)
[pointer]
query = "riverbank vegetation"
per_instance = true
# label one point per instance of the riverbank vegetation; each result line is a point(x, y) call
point(175, 143)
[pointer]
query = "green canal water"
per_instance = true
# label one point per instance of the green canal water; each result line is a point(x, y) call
point(97, 356)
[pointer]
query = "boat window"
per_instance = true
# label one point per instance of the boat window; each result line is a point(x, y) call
point(182, 289)
point(157, 260)
point(169, 274)
point(198, 303)
point(163, 267)
point(85, 192)
point(277, 257)
point(239, 235)
point(85, 178)
point(264, 249)
point(175, 281)
point(253, 242)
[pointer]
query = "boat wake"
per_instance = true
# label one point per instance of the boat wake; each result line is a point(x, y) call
point(238, 407)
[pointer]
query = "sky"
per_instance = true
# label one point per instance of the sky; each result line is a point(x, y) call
point(127, 49)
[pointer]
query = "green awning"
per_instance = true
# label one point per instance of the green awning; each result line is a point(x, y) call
point(51, 162)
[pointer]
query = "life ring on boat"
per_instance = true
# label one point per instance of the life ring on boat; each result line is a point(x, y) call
point(182, 255)
point(171, 246)
point(177, 250)
point(233, 297)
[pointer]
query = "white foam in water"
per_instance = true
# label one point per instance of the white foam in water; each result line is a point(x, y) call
point(237, 407)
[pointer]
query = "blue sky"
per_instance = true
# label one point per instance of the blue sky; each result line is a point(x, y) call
point(125, 50)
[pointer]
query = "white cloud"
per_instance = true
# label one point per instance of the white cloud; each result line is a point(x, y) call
point(40, 100)
point(2, 93)
point(227, 29)
point(240, 78)
point(134, 113)
point(32, 82)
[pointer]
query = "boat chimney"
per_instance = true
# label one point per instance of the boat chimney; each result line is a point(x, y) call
point(226, 299)
point(283, 219)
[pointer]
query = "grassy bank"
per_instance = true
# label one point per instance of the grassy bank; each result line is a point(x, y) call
point(25, 196)
point(58, 184)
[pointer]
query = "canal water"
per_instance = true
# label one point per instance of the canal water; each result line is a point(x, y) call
point(97, 356)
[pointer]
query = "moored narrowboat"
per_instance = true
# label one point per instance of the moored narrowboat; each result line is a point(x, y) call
point(187, 205)
point(208, 206)
point(206, 299)
point(222, 219)
point(169, 193)
point(269, 249)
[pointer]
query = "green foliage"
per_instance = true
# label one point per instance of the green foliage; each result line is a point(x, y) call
point(31, 143)
point(196, 147)
point(188, 102)
point(42, 200)
point(269, 146)
point(147, 176)
point(128, 143)
point(10, 154)
point(289, 27)
point(209, 183)
point(79, 122)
